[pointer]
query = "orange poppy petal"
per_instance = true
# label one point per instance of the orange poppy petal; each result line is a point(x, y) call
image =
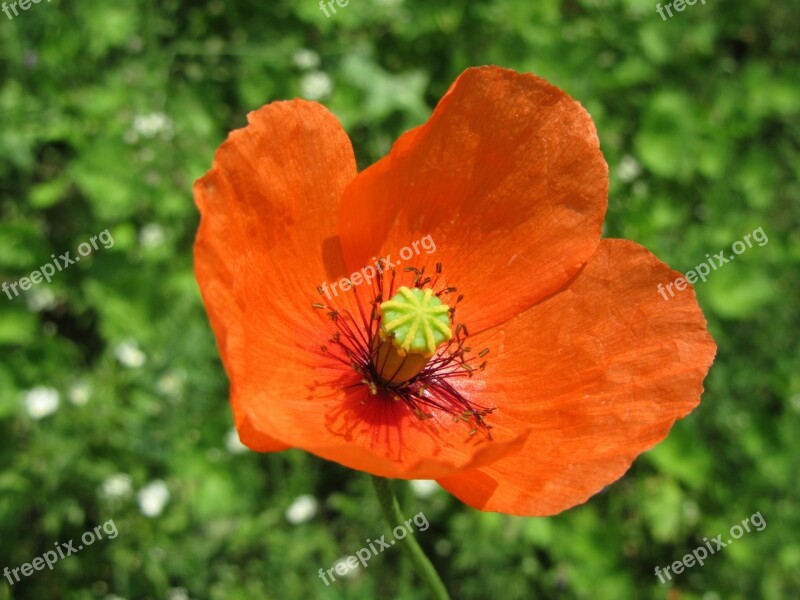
point(269, 208)
point(506, 177)
point(600, 372)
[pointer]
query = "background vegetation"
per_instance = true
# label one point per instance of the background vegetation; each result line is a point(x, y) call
point(110, 110)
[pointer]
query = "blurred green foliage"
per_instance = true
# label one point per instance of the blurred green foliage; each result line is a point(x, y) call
point(110, 110)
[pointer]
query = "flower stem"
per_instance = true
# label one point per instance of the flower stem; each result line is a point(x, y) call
point(423, 566)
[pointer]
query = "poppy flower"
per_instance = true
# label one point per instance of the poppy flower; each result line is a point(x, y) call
point(450, 312)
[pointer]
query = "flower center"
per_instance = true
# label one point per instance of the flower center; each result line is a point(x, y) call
point(414, 322)
point(409, 348)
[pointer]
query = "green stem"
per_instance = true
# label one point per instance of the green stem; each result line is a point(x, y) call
point(423, 566)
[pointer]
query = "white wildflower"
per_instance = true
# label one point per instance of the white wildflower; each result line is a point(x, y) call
point(316, 85)
point(79, 393)
point(423, 488)
point(305, 58)
point(41, 401)
point(117, 486)
point(233, 443)
point(153, 498)
point(152, 235)
point(152, 124)
point(628, 169)
point(302, 509)
point(129, 355)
